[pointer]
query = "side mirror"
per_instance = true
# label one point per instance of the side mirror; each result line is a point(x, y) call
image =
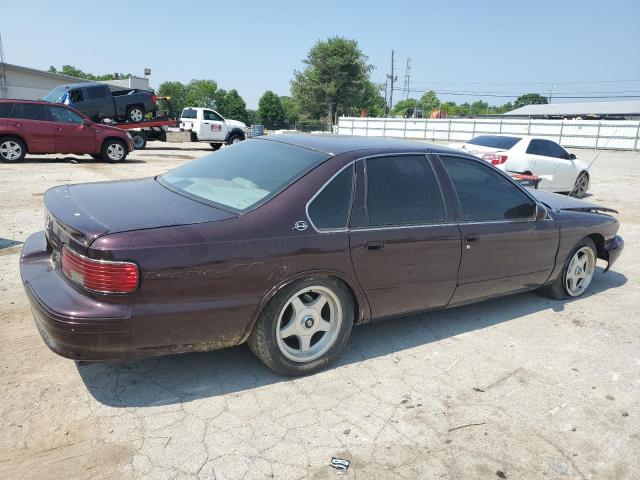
point(86, 122)
point(572, 156)
point(541, 212)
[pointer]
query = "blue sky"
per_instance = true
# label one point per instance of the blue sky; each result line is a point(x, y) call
point(504, 47)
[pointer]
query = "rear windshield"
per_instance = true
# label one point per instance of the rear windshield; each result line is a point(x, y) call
point(188, 113)
point(242, 176)
point(495, 141)
point(55, 95)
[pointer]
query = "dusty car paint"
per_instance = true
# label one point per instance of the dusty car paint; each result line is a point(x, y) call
point(207, 273)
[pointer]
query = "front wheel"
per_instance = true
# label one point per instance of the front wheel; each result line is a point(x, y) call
point(577, 274)
point(114, 151)
point(304, 327)
point(581, 186)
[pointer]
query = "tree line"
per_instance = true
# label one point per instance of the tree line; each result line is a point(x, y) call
point(335, 81)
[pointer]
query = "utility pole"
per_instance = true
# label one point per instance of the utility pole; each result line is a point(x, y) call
point(392, 79)
point(386, 90)
point(3, 79)
point(550, 94)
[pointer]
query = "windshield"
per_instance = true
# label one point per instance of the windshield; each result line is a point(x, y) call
point(55, 95)
point(495, 141)
point(244, 175)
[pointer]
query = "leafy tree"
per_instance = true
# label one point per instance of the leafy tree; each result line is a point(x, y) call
point(403, 106)
point(201, 93)
point(373, 100)
point(428, 102)
point(76, 72)
point(252, 117)
point(232, 106)
point(529, 99)
point(291, 110)
point(178, 93)
point(334, 79)
point(270, 110)
point(479, 108)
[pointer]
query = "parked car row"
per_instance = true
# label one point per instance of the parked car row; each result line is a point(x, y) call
point(288, 241)
point(558, 170)
point(41, 127)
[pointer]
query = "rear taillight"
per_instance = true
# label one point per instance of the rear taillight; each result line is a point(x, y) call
point(99, 275)
point(495, 158)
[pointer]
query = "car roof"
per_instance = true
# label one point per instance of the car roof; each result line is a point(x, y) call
point(20, 100)
point(81, 84)
point(338, 144)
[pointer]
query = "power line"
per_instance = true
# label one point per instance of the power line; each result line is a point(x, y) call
point(593, 82)
point(496, 95)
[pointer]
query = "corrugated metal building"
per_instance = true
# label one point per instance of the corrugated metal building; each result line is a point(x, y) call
point(32, 84)
point(623, 110)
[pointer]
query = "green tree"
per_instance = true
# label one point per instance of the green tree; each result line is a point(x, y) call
point(333, 80)
point(201, 93)
point(529, 99)
point(428, 103)
point(403, 107)
point(232, 106)
point(76, 72)
point(479, 108)
point(373, 100)
point(270, 111)
point(291, 110)
point(177, 92)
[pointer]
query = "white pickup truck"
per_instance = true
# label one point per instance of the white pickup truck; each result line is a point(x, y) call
point(207, 125)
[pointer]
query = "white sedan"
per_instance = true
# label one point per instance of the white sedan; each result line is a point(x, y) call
point(559, 170)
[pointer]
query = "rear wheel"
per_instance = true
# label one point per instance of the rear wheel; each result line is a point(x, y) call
point(139, 140)
point(12, 149)
point(135, 113)
point(304, 327)
point(581, 186)
point(114, 151)
point(577, 274)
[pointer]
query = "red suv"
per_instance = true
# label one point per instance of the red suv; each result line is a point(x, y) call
point(41, 127)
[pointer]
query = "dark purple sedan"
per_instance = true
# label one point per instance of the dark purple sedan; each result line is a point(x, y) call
point(288, 241)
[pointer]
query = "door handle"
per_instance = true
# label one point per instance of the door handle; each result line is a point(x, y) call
point(16, 124)
point(472, 237)
point(374, 244)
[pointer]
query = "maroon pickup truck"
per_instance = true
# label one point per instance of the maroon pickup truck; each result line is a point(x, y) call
point(40, 127)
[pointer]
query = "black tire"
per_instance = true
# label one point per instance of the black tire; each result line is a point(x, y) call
point(108, 155)
point(96, 157)
point(135, 113)
point(557, 289)
point(262, 340)
point(581, 186)
point(215, 146)
point(139, 140)
point(12, 149)
point(235, 138)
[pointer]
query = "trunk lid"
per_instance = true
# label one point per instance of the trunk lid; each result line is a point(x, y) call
point(78, 214)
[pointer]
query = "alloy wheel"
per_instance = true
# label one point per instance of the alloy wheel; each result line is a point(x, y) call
point(136, 115)
point(10, 150)
point(115, 152)
point(309, 324)
point(580, 271)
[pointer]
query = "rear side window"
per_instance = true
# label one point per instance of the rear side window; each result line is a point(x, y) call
point(30, 111)
point(402, 190)
point(495, 141)
point(485, 194)
point(330, 209)
point(5, 109)
point(95, 93)
point(537, 147)
point(188, 113)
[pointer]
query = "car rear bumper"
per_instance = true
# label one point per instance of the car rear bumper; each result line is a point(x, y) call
point(72, 324)
point(613, 248)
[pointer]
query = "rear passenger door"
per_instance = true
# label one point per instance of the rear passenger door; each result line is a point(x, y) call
point(504, 248)
point(405, 245)
point(98, 102)
point(32, 122)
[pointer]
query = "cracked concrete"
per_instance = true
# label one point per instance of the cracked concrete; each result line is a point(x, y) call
point(523, 385)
